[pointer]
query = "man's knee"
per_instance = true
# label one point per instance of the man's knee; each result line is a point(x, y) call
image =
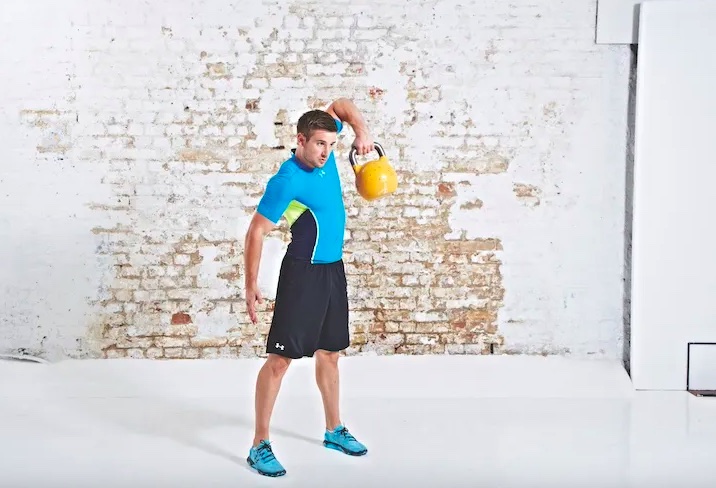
point(277, 364)
point(327, 357)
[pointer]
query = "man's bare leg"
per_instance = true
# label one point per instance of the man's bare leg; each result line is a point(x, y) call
point(328, 383)
point(268, 384)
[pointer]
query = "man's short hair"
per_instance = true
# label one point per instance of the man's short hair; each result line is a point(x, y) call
point(315, 120)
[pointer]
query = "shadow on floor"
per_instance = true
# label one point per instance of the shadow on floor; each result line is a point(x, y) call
point(184, 420)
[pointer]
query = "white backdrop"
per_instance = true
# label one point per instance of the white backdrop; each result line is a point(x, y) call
point(674, 229)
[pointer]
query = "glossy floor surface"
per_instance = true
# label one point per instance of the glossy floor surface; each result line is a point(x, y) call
point(459, 421)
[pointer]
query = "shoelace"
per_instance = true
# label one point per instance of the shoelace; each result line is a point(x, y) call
point(265, 453)
point(344, 432)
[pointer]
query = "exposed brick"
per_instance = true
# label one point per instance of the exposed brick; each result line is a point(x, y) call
point(180, 330)
point(203, 342)
point(446, 190)
point(529, 194)
point(154, 353)
point(115, 353)
point(136, 353)
point(191, 353)
point(181, 319)
point(171, 342)
point(173, 352)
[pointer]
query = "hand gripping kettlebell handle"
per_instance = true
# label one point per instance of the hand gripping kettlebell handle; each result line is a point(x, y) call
point(352, 154)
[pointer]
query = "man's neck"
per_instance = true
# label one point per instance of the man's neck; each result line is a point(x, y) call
point(298, 155)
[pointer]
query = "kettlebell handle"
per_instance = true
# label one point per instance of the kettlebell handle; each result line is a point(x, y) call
point(352, 154)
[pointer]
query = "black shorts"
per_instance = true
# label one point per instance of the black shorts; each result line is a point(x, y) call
point(311, 309)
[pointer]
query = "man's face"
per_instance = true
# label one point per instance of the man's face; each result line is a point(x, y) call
point(316, 150)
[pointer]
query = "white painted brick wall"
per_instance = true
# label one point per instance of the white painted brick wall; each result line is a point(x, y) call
point(137, 137)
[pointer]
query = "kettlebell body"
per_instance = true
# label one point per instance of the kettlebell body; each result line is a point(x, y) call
point(374, 179)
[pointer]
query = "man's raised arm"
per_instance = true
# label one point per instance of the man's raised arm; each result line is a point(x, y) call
point(345, 110)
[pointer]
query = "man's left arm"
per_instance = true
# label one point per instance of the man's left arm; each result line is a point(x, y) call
point(345, 110)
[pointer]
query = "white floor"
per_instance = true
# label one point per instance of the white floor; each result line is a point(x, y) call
point(459, 420)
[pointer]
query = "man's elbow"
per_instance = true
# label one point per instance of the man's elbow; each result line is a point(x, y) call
point(259, 228)
point(255, 233)
point(339, 107)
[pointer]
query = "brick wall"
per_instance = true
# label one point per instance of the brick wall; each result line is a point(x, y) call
point(142, 136)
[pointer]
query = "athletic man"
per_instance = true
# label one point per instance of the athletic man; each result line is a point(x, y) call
point(311, 310)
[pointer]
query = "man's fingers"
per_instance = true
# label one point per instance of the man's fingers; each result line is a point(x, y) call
point(253, 297)
point(250, 308)
point(364, 149)
point(363, 145)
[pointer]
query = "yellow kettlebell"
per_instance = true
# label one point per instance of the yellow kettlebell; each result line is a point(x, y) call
point(374, 179)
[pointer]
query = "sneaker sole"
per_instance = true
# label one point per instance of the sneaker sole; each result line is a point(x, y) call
point(336, 447)
point(264, 473)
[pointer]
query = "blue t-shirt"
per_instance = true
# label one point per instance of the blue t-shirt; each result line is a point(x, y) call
point(311, 200)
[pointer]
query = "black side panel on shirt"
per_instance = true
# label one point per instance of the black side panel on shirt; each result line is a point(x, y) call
point(304, 232)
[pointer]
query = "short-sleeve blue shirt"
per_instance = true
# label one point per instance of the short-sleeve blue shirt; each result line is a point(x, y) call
point(311, 200)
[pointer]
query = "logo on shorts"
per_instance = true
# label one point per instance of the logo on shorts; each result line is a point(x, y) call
point(279, 346)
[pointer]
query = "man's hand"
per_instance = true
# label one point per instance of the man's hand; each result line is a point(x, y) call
point(259, 227)
point(253, 296)
point(363, 143)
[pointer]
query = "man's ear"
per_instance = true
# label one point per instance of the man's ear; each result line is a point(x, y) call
point(300, 139)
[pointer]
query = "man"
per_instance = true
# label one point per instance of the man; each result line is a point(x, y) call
point(311, 310)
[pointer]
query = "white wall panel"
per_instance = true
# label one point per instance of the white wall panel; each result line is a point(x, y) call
point(674, 229)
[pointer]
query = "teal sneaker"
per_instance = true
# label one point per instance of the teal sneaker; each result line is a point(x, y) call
point(262, 459)
point(342, 440)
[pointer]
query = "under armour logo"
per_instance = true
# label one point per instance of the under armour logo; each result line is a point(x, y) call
point(321, 173)
point(279, 346)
